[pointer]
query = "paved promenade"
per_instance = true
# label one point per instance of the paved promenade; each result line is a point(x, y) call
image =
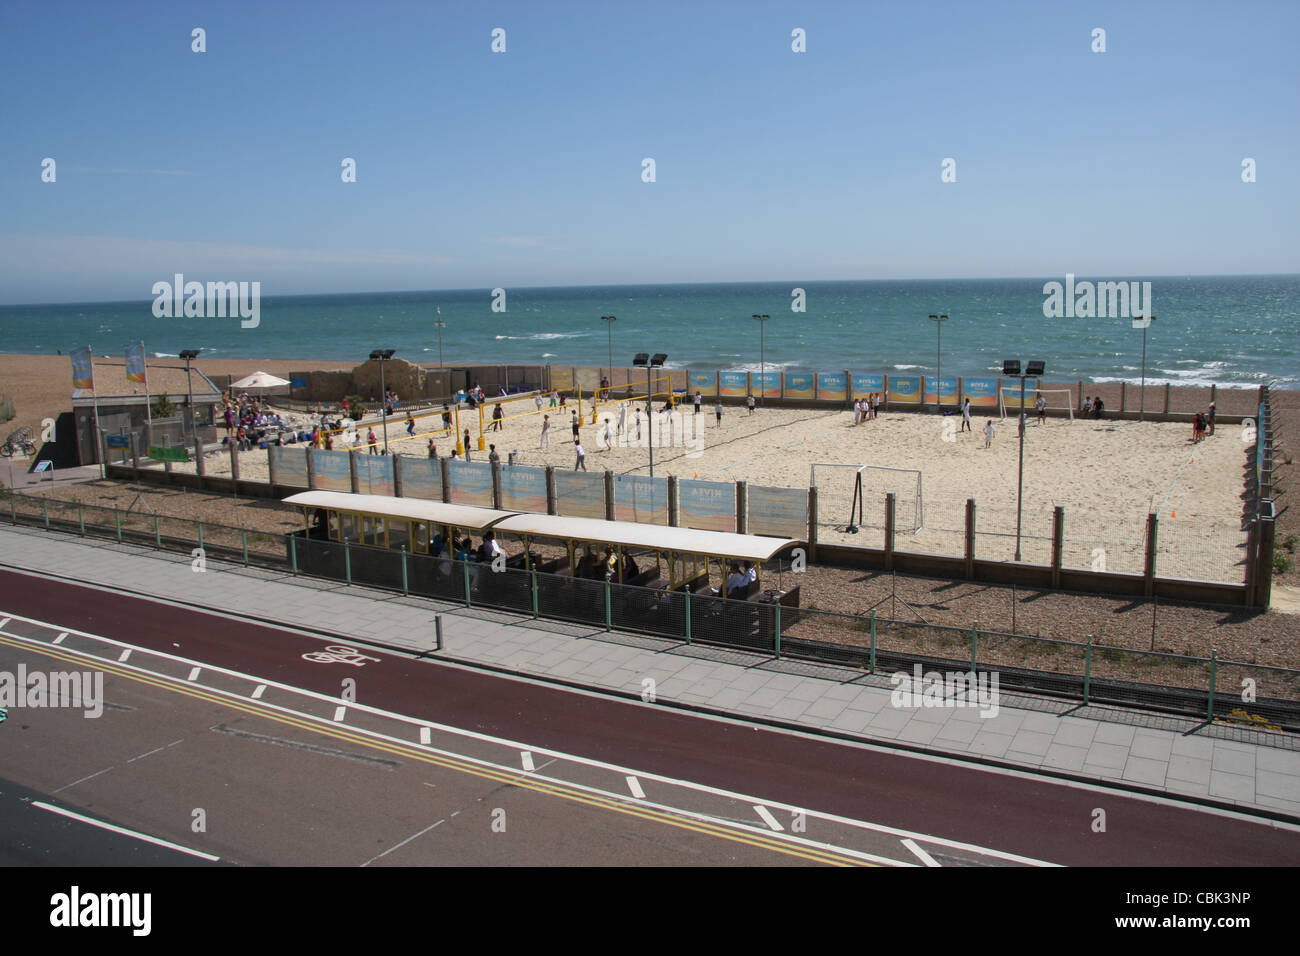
point(1177, 757)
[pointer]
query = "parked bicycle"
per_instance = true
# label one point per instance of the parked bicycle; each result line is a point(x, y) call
point(19, 442)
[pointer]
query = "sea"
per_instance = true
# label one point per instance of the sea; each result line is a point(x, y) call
point(1240, 331)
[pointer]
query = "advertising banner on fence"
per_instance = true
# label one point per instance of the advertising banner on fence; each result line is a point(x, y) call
point(641, 498)
point(706, 383)
point(782, 512)
point(288, 465)
point(523, 488)
point(982, 392)
point(766, 384)
point(947, 390)
point(375, 475)
point(330, 470)
point(799, 385)
point(706, 505)
point(864, 385)
point(164, 453)
point(832, 387)
point(421, 477)
point(580, 494)
point(734, 384)
point(1011, 393)
point(83, 371)
point(135, 370)
point(470, 483)
point(905, 389)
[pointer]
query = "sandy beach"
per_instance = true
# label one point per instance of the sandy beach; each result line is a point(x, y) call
point(1107, 475)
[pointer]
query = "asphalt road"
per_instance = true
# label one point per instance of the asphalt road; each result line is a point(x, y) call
point(512, 771)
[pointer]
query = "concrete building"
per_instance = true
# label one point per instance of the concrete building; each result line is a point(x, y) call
point(125, 409)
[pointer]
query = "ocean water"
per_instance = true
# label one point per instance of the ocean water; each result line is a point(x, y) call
point(1231, 330)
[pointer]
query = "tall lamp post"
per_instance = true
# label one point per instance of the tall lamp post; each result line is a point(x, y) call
point(189, 355)
point(440, 326)
point(1140, 322)
point(657, 361)
point(762, 361)
point(381, 356)
point(609, 321)
point(1011, 369)
point(938, 320)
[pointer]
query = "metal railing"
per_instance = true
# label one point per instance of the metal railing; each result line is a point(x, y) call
point(1211, 687)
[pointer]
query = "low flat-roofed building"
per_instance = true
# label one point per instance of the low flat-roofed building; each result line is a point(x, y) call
point(124, 408)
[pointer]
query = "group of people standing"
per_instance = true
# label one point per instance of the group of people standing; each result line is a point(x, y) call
point(1204, 422)
point(865, 409)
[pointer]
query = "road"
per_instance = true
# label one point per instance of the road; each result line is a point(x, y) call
point(219, 736)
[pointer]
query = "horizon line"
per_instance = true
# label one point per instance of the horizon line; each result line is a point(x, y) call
point(627, 285)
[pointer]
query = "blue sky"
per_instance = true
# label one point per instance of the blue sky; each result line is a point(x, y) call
point(523, 168)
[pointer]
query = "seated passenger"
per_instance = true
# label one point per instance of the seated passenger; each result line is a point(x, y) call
point(737, 583)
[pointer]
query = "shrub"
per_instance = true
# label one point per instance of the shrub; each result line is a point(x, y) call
point(1281, 563)
point(163, 408)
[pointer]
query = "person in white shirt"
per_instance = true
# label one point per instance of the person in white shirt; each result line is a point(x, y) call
point(582, 457)
point(609, 435)
point(546, 432)
point(965, 415)
point(988, 434)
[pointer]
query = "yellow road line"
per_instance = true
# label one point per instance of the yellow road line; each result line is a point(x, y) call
point(411, 751)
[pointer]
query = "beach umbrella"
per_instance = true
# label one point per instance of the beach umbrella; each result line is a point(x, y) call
point(259, 380)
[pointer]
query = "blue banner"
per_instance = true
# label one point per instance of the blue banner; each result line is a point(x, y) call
point(767, 384)
point(706, 383)
point(864, 385)
point(735, 384)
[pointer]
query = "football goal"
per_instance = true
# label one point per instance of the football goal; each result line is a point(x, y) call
point(1058, 399)
point(851, 496)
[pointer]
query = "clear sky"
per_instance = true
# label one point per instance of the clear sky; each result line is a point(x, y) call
point(522, 168)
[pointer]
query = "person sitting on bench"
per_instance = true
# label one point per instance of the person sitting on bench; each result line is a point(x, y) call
point(737, 583)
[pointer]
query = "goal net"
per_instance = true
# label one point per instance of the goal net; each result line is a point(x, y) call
point(851, 495)
point(1057, 399)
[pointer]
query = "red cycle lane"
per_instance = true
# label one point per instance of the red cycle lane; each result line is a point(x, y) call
point(1034, 817)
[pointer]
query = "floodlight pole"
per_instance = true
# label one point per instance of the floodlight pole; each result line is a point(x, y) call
point(1020, 483)
point(762, 359)
point(383, 407)
point(938, 361)
point(440, 324)
point(650, 419)
point(188, 355)
point(1142, 404)
point(382, 356)
point(609, 321)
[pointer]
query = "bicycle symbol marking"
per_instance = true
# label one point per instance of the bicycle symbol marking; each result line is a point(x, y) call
point(339, 655)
